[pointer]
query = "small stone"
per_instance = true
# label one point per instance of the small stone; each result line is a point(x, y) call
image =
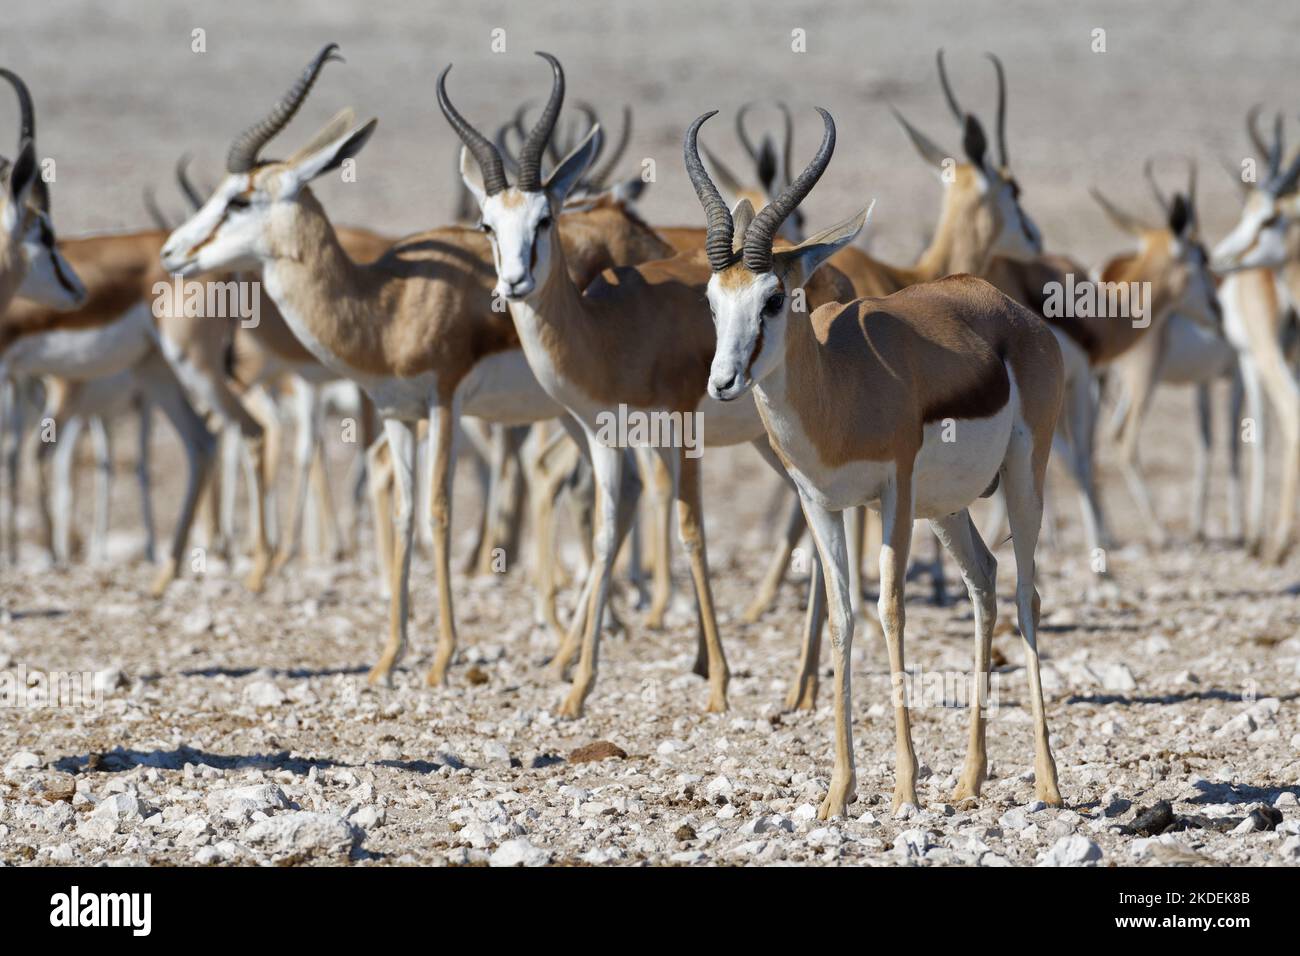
point(685, 833)
point(477, 676)
point(519, 852)
point(263, 693)
point(120, 806)
point(23, 760)
point(597, 750)
point(1154, 820)
point(1073, 850)
point(1117, 677)
point(304, 832)
point(1286, 798)
point(496, 752)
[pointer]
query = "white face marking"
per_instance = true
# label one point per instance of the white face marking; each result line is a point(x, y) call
point(1259, 238)
point(742, 315)
point(50, 280)
point(519, 225)
point(226, 233)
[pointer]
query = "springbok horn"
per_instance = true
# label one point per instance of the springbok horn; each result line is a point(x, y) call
point(762, 231)
point(243, 152)
point(187, 186)
point(489, 160)
point(1002, 110)
point(530, 154)
point(947, 90)
point(717, 243)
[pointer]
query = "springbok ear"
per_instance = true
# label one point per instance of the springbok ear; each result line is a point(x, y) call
point(797, 265)
point(974, 142)
point(741, 218)
point(321, 156)
point(1122, 220)
point(629, 190)
point(24, 173)
point(566, 175)
point(472, 176)
point(22, 177)
point(931, 153)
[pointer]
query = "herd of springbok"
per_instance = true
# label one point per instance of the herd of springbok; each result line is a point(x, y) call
point(913, 389)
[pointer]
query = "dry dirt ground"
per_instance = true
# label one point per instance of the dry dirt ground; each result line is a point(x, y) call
point(239, 729)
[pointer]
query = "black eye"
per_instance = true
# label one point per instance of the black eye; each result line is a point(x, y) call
point(1271, 221)
point(238, 202)
point(774, 303)
point(485, 228)
point(544, 222)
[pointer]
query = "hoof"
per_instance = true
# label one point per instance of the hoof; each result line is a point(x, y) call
point(162, 581)
point(381, 675)
point(802, 696)
point(571, 709)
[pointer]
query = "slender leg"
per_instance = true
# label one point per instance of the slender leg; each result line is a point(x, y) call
point(1232, 433)
point(827, 529)
point(380, 480)
point(1283, 392)
point(401, 447)
point(896, 535)
point(545, 476)
point(65, 459)
point(144, 434)
point(162, 388)
point(690, 521)
point(1142, 387)
point(1201, 477)
point(979, 572)
point(1023, 480)
point(661, 488)
point(853, 521)
point(803, 692)
point(486, 451)
point(102, 441)
point(780, 560)
point(306, 400)
point(607, 465)
point(1255, 409)
point(442, 427)
point(330, 533)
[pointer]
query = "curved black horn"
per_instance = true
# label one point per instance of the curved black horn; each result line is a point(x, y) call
point(489, 160)
point(502, 143)
point(183, 180)
point(598, 179)
point(155, 212)
point(26, 112)
point(947, 90)
point(762, 231)
point(243, 152)
point(1148, 170)
point(717, 244)
point(530, 154)
point(1284, 182)
point(1252, 130)
point(1002, 109)
point(742, 134)
point(787, 146)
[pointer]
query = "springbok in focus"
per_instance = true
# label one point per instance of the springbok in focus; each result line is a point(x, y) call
point(853, 398)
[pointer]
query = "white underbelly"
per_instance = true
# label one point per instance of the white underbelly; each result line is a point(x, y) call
point(81, 354)
point(957, 463)
point(502, 389)
point(1193, 353)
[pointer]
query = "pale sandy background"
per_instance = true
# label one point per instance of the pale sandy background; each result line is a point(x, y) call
point(120, 94)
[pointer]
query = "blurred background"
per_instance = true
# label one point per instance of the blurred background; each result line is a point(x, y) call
point(120, 95)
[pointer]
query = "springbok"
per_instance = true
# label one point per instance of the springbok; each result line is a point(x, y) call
point(1260, 286)
point(635, 341)
point(853, 398)
point(416, 329)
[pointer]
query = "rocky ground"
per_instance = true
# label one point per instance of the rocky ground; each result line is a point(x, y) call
point(239, 730)
point(233, 729)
